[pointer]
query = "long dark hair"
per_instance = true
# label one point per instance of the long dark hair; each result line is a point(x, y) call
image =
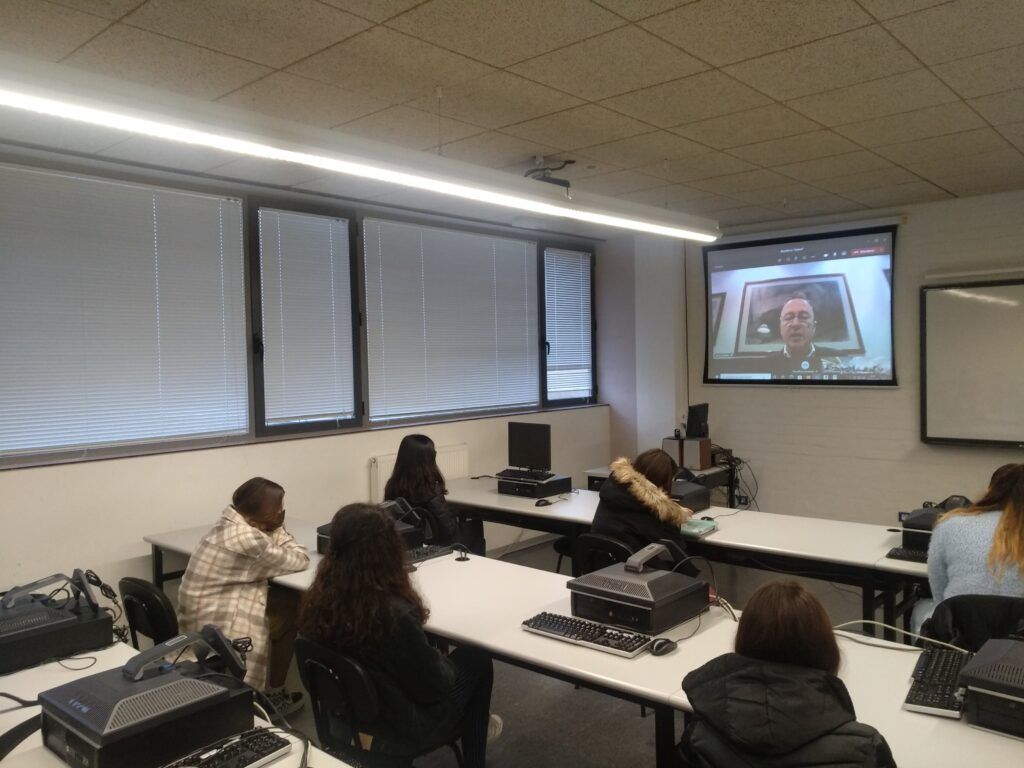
point(1006, 493)
point(416, 477)
point(349, 605)
point(784, 623)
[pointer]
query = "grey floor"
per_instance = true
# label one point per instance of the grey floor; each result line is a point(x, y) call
point(550, 723)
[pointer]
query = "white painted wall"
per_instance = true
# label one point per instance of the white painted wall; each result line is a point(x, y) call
point(855, 454)
point(615, 311)
point(94, 514)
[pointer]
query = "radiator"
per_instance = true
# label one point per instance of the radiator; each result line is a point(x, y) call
point(453, 461)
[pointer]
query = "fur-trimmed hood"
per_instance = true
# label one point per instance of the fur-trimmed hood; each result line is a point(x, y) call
point(647, 494)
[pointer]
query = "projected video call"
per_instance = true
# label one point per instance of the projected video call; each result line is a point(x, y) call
point(814, 310)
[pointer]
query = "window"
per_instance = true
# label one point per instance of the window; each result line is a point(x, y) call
point(305, 306)
point(568, 326)
point(451, 321)
point(122, 314)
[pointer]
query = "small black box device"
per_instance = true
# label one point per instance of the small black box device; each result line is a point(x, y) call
point(411, 536)
point(536, 489)
point(35, 628)
point(691, 495)
point(994, 679)
point(644, 600)
point(132, 717)
point(917, 527)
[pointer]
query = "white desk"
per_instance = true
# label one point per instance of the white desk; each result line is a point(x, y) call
point(29, 683)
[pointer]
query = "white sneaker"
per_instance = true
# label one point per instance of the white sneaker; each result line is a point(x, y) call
point(286, 702)
point(494, 728)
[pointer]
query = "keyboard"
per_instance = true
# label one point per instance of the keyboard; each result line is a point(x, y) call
point(934, 689)
point(621, 642)
point(524, 474)
point(913, 555)
point(250, 749)
point(427, 552)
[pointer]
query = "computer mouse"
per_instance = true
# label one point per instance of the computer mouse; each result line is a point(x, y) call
point(707, 517)
point(542, 503)
point(662, 645)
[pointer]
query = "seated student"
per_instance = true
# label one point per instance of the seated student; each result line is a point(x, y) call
point(634, 505)
point(362, 604)
point(979, 550)
point(417, 479)
point(226, 584)
point(776, 702)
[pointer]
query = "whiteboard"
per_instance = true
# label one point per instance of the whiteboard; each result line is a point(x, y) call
point(972, 363)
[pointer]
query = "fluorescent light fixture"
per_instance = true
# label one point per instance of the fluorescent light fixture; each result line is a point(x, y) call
point(165, 130)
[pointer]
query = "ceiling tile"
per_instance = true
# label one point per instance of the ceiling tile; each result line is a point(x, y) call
point(727, 31)
point(580, 127)
point(1015, 133)
point(852, 57)
point(408, 127)
point(886, 9)
point(665, 197)
point(791, 149)
point(977, 174)
point(1001, 108)
point(265, 31)
point(817, 206)
point(108, 9)
point(760, 124)
point(883, 177)
point(900, 194)
point(646, 149)
point(497, 99)
point(920, 124)
point(837, 165)
point(267, 171)
point(44, 131)
point(886, 96)
point(494, 150)
point(960, 29)
point(617, 183)
point(140, 56)
point(618, 61)
point(984, 74)
point(583, 167)
point(389, 65)
point(750, 214)
point(702, 166)
point(639, 9)
point(940, 148)
point(687, 100)
point(741, 182)
point(165, 154)
point(307, 101)
point(778, 196)
point(501, 32)
point(710, 204)
point(378, 10)
point(45, 30)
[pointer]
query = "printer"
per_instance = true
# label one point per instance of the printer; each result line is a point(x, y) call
point(35, 627)
point(994, 679)
point(149, 712)
point(639, 598)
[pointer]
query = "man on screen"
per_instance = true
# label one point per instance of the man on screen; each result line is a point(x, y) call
point(799, 355)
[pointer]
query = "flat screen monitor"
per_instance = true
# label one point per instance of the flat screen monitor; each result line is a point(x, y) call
point(814, 309)
point(697, 420)
point(529, 445)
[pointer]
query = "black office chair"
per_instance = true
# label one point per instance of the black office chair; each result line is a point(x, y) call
point(346, 704)
point(969, 621)
point(563, 546)
point(148, 611)
point(594, 551)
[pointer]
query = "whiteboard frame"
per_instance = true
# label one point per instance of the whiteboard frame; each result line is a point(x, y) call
point(925, 437)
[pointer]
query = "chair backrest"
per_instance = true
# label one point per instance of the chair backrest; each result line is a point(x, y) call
point(969, 621)
point(342, 694)
point(593, 551)
point(148, 611)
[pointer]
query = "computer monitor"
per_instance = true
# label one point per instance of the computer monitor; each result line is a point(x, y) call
point(697, 420)
point(529, 445)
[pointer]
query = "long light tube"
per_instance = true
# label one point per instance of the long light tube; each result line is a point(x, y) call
point(167, 131)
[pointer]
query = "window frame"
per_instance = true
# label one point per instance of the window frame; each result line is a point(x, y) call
point(251, 225)
point(542, 245)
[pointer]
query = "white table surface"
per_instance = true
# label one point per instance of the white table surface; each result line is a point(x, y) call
point(29, 683)
point(185, 540)
point(575, 507)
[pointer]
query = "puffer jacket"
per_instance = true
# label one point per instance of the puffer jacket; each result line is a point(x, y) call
point(758, 714)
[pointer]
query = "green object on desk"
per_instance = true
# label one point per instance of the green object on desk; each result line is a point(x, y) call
point(698, 529)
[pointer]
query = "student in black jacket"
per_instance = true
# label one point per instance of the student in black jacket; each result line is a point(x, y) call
point(362, 604)
point(635, 507)
point(776, 702)
point(417, 479)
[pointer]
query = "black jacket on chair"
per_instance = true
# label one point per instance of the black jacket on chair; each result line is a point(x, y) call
point(757, 714)
point(969, 621)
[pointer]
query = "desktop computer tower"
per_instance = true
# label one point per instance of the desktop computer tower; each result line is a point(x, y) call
point(536, 489)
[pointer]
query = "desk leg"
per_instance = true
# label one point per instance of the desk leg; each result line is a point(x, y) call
point(867, 609)
point(889, 613)
point(158, 566)
point(665, 737)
